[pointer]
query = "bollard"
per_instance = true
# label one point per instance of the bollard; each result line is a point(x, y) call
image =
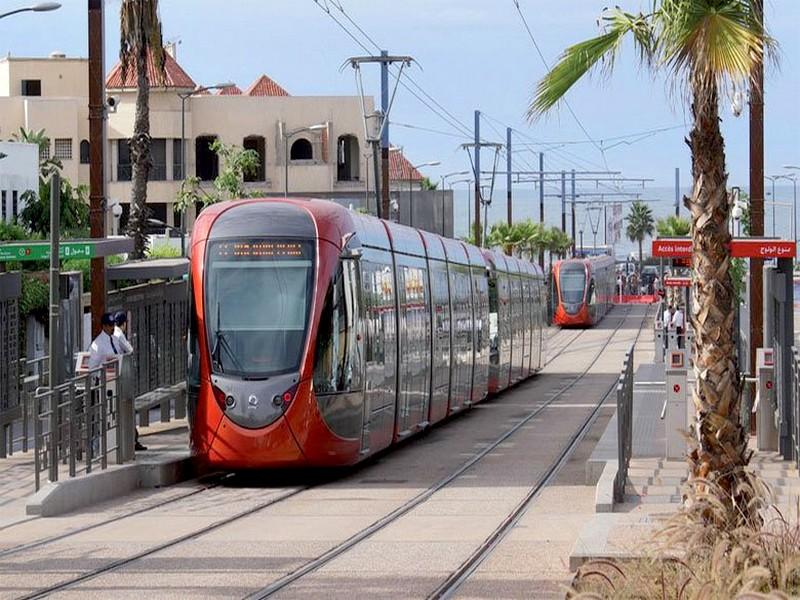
point(672, 340)
point(659, 350)
point(765, 404)
point(675, 413)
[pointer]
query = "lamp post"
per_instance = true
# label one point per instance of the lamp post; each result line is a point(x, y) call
point(793, 179)
point(40, 7)
point(772, 179)
point(444, 179)
point(159, 223)
point(432, 163)
point(184, 96)
point(286, 137)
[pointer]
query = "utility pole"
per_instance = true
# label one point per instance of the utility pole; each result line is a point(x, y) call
point(478, 178)
point(564, 201)
point(573, 210)
point(55, 342)
point(385, 134)
point(508, 174)
point(97, 135)
point(757, 195)
point(541, 188)
point(677, 191)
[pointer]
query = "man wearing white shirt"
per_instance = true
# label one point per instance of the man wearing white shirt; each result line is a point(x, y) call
point(104, 347)
point(679, 323)
point(667, 321)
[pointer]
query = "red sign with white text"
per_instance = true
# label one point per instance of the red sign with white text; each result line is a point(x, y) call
point(739, 248)
point(672, 247)
point(677, 281)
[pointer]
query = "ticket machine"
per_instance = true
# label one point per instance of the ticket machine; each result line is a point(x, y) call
point(676, 413)
point(765, 405)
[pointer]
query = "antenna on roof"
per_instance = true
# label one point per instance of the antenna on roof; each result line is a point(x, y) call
point(171, 47)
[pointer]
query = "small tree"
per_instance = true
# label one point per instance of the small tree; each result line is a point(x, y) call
point(74, 209)
point(640, 225)
point(236, 162)
point(673, 226)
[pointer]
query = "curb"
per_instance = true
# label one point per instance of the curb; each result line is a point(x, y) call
point(80, 492)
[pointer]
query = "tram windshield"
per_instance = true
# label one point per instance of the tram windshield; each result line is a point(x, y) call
point(258, 296)
point(571, 282)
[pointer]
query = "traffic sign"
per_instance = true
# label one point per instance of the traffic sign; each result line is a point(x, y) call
point(41, 251)
point(676, 388)
point(769, 385)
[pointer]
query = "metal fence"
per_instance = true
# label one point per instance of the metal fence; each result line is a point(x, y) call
point(158, 317)
point(624, 425)
point(81, 422)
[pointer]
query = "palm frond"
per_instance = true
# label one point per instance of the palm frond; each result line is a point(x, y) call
point(719, 40)
point(581, 58)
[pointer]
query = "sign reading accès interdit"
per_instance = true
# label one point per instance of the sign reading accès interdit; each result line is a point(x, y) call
point(739, 248)
point(41, 251)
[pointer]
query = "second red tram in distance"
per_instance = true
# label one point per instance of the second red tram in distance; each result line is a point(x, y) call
point(584, 290)
point(319, 336)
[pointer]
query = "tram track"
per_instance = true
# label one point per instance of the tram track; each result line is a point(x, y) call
point(459, 576)
point(279, 497)
point(348, 544)
point(217, 481)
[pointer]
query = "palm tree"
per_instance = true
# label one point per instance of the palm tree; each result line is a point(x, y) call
point(707, 48)
point(640, 225)
point(673, 226)
point(140, 42)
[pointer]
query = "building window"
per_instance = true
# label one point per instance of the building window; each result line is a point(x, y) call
point(14, 204)
point(123, 160)
point(348, 160)
point(206, 160)
point(44, 150)
point(3, 202)
point(256, 143)
point(301, 150)
point(63, 148)
point(84, 150)
point(31, 87)
point(158, 160)
point(177, 160)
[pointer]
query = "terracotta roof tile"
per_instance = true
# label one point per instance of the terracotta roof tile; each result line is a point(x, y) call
point(231, 91)
point(175, 76)
point(264, 86)
point(401, 169)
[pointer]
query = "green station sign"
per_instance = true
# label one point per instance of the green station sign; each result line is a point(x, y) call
point(41, 251)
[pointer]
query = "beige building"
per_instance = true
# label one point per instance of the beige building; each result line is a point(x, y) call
point(329, 160)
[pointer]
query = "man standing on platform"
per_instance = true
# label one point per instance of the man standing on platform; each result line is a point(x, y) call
point(121, 340)
point(679, 323)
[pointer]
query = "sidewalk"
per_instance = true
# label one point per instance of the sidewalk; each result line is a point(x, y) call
point(164, 441)
point(654, 485)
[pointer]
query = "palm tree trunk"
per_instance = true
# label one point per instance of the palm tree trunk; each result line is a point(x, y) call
point(140, 160)
point(640, 256)
point(721, 443)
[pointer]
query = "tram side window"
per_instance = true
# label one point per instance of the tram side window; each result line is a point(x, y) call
point(336, 367)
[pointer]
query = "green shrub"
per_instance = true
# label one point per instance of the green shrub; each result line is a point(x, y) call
point(163, 251)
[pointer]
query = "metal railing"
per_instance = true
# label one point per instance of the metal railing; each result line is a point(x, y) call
point(624, 425)
point(795, 398)
point(82, 422)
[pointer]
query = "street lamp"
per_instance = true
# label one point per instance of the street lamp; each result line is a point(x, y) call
point(40, 7)
point(772, 179)
point(286, 137)
point(432, 163)
point(159, 223)
point(793, 179)
point(444, 179)
point(184, 96)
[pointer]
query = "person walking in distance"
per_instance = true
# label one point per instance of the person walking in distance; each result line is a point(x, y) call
point(666, 319)
point(679, 323)
point(121, 339)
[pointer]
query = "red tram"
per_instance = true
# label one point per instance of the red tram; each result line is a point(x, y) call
point(584, 290)
point(319, 336)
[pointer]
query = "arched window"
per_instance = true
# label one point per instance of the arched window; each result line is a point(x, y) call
point(206, 160)
point(347, 167)
point(256, 143)
point(301, 150)
point(84, 152)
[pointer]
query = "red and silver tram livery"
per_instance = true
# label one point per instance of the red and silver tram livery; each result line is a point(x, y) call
point(319, 336)
point(584, 290)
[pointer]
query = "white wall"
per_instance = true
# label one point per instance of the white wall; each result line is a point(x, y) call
point(19, 172)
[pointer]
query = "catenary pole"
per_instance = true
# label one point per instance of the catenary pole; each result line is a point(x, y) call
point(478, 178)
point(97, 124)
point(508, 175)
point(385, 135)
point(573, 209)
point(756, 196)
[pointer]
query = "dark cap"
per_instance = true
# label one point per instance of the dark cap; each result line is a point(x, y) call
point(107, 319)
point(120, 317)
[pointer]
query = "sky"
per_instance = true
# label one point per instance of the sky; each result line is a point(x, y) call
point(470, 54)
